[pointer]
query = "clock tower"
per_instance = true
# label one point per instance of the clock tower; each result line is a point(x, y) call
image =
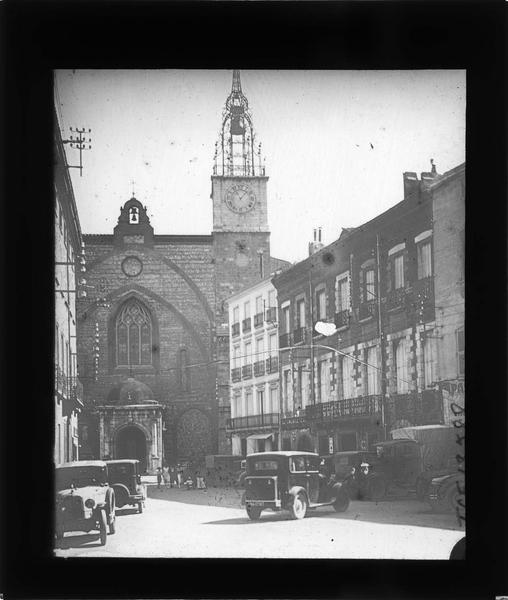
point(240, 220)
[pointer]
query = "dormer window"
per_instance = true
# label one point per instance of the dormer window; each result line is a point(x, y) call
point(133, 214)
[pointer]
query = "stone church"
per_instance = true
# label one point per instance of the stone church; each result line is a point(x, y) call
point(153, 341)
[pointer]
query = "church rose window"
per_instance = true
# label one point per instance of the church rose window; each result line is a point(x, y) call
point(134, 335)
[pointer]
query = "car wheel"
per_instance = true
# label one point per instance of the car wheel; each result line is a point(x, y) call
point(253, 512)
point(298, 508)
point(422, 486)
point(140, 507)
point(376, 489)
point(341, 503)
point(103, 524)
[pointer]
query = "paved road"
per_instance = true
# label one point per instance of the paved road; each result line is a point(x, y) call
point(212, 524)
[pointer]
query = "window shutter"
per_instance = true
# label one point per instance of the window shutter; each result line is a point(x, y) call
point(361, 285)
point(389, 269)
point(407, 269)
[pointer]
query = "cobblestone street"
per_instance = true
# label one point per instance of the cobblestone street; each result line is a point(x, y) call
point(212, 523)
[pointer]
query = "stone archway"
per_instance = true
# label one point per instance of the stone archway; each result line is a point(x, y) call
point(194, 435)
point(131, 442)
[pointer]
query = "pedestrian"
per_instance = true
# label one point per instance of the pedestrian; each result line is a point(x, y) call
point(172, 476)
point(189, 484)
point(179, 475)
point(200, 481)
point(165, 474)
point(159, 478)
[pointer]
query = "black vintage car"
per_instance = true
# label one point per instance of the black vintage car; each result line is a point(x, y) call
point(125, 479)
point(84, 500)
point(290, 481)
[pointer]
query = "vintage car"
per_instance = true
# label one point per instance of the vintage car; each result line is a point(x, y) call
point(290, 481)
point(447, 493)
point(350, 469)
point(84, 500)
point(125, 479)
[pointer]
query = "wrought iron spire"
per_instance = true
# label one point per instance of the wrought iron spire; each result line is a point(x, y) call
point(235, 150)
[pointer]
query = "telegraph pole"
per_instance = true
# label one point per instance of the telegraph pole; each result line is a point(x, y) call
point(80, 143)
point(381, 341)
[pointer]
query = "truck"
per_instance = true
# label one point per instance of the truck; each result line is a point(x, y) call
point(407, 463)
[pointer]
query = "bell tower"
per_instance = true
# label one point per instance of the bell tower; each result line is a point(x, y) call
point(238, 180)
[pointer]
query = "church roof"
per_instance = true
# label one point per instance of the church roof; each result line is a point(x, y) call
point(130, 391)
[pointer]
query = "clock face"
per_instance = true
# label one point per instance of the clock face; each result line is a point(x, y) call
point(240, 198)
point(132, 266)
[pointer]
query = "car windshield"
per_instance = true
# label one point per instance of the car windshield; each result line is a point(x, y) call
point(79, 476)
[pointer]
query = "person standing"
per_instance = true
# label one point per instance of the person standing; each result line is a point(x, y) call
point(179, 475)
point(165, 475)
point(159, 478)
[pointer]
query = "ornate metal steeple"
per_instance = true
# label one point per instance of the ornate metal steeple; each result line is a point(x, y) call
point(235, 152)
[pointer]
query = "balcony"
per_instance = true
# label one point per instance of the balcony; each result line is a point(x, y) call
point(342, 318)
point(236, 374)
point(271, 315)
point(367, 310)
point(396, 299)
point(272, 364)
point(246, 325)
point(246, 371)
point(363, 406)
point(259, 368)
point(299, 335)
point(76, 391)
point(296, 420)
point(284, 340)
point(253, 421)
point(258, 320)
point(235, 329)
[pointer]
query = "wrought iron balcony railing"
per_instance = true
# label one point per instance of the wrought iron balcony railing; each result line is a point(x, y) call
point(342, 318)
point(424, 288)
point(363, 406)
point(396, 299)
point(259, 368)
point(367, 310)
point(236, 374)
point(272, 364)
point(424, 408)
point(246, 325)
point(284, 340)
point(235, 329)
point(76, 390)
point(61, 382)
point(258, 320)
point(299, 335)
point(271, 314)
point(253, 421)
point(246, 371)
point(295, 420)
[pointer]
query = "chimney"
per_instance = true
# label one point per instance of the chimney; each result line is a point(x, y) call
point(317, 243)
point(411, 183)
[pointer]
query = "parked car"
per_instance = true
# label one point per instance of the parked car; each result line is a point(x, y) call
point(84, 500)
point(289, 480)
point(125, 479)
point(361, 483)
point(446, 493)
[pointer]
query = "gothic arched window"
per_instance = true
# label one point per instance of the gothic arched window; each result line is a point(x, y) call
point(133, 335)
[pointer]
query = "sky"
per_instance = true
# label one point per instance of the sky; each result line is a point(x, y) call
point(336, 143)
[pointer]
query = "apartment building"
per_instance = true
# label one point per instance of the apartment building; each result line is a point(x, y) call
point(254, 362)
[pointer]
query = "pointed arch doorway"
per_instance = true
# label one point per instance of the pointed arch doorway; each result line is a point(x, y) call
point(131, 442)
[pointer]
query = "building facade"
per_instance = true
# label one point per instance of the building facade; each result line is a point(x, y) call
point(153, 334)
point(448, 205)
point(376, 283)
point(254, 368)
point(68, 246)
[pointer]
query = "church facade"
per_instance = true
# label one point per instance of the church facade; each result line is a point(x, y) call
point(153, 338)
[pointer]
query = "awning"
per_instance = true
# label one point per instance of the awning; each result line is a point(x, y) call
point(259, 436)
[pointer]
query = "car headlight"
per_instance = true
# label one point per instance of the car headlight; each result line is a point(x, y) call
point(90, 503)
